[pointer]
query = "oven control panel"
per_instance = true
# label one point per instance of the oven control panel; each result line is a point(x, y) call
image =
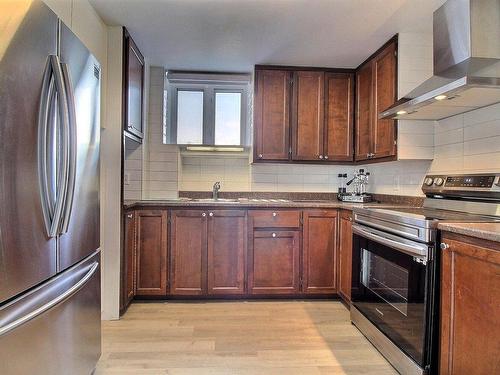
point(470, 184)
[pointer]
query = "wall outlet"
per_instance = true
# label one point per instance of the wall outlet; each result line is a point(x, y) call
point(126, 178)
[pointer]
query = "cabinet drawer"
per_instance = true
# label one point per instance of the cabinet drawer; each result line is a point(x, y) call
point(275, 219)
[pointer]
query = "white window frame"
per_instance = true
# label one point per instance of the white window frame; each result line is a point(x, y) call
point(209, 84)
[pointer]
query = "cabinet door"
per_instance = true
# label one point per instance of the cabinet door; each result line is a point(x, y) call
point(129, 260)
point(308, 115)
point(151, 252)
point(188, 252)
point(320, 252)
point(227, 241)
point(133, 86)
point(364, 115)
point(470, 291)
point(345, 255)
point(271, 115)
point(274, 262)
point(384, 86)
point(339, 112)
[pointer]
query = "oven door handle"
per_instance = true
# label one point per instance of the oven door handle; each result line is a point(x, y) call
point(413, 249)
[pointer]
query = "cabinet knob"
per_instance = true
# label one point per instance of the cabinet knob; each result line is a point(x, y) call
point(130, 216)
point(275, 214)
point(203, 214)
point(274, 235)
point(211, 214)
point(260, 156)
point(321, 157)
point(444, 246)
point(326, 157)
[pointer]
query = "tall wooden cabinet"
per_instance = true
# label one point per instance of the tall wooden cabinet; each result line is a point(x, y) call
point(376, 84)
point(470, 291)
point(345, 254)
point(133, 88)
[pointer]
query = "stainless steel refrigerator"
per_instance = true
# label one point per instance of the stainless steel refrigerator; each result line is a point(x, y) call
point(49, 195)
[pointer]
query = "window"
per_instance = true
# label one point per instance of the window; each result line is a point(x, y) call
point(189, 117)
point(206, 109)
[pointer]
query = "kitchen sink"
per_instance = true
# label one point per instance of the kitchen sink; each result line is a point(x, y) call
point(219, 200)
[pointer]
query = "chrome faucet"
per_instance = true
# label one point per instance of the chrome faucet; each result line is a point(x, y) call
point(215, 190)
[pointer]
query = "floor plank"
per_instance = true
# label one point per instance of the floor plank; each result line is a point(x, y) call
point(237, 338)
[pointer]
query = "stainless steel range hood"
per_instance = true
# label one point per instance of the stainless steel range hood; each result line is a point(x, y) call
point(466, 64)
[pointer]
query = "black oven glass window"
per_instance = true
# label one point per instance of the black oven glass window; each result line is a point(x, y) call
point(385, 279)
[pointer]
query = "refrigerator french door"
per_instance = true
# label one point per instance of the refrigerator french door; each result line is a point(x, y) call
point(49, 195)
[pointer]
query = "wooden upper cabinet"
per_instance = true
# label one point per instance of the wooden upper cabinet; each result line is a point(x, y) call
point(345, 255)
point(376, 82)
point(308, 115)
point(151, 252)
point(320, 252)
point(274, 262)
point(339, 117)
point(385, 83)
point(188, 252)
point(470, 291)
point(133, 87)
point(227, 239)
point(364, 112)
point(272, 115)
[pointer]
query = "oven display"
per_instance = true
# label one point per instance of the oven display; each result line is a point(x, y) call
point(470, 181)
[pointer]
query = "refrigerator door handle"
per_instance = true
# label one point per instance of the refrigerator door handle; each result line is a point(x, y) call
point(72, 148)
point(45, 115)
point(63, 147)
point(40, 300)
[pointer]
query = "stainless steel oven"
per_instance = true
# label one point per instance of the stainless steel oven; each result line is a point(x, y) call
point(395, 266)
point(393, 289)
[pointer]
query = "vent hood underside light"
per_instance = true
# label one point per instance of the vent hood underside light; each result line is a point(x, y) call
point(456, 97)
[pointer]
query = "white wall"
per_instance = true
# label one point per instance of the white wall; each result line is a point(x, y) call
point(161, 162)
point(469, 142)
point(88, 26)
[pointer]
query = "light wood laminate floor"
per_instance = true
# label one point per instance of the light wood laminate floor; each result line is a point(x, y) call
point(237, 338)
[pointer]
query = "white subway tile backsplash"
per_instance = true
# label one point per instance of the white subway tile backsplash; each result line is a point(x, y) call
point(449, 137)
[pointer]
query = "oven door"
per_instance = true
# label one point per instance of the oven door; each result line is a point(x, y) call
point(389, 282)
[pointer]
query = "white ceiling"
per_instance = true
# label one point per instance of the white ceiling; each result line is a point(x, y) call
point(234, 35)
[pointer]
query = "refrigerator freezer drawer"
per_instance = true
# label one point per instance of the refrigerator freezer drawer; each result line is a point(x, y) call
point(56, 328)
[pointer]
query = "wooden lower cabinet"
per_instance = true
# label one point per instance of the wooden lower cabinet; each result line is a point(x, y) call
point(151, 252)
point(274, 262)
point(188, 252)
point(470, 295)
point(319, 252)
point(345, 254)
point(227, 239)
point(129, 266)
point(207, 252)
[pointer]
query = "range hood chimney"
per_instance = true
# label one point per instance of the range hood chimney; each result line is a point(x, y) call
point(466, 64)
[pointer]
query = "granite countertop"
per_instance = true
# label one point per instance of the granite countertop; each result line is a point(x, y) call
point(486, 231)
point(253, 203)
